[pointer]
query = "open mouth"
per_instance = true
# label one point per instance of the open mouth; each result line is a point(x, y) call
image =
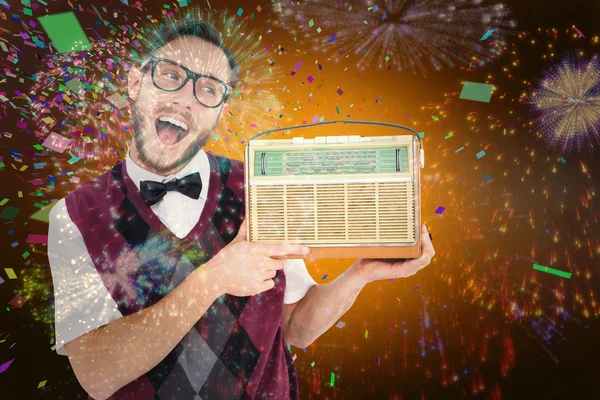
point(171, 131)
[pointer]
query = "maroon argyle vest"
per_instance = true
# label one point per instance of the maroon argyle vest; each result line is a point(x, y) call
point(236, 350)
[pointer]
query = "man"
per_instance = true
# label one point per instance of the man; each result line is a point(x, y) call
point(157, 292)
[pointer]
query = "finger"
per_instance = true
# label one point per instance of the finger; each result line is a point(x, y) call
point(283, 249)
point(270, 264)
point(268, 285)
point(269, 274)
point(241, 235)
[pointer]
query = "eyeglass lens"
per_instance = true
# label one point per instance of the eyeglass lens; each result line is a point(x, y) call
point(168, 76)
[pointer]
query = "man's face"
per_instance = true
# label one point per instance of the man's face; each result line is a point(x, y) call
point(161, 146)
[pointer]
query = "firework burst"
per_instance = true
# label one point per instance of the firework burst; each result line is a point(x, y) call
point(568, 102)
point(414, 35)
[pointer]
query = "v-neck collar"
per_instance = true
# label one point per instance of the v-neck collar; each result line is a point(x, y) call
point(214, 188)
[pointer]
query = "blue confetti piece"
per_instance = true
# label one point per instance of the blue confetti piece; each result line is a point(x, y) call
point(486, 176)
point(375, 8)
point(240, 11)
point(332, 38)
point(480, 154)
point(563, 160)
point(457, 150)
point(324, 277)
point(487, 34)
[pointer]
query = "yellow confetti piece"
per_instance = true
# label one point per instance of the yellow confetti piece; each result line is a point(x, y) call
point(20, 193)
point(42, 384)
point(10, 273)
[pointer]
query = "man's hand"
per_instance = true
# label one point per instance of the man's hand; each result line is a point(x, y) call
point(373, 269)
point(244, 269)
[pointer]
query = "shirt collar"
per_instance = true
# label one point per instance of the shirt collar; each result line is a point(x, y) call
point(137, 173)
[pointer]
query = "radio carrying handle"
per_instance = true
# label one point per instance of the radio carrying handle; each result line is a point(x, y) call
point(388, 124)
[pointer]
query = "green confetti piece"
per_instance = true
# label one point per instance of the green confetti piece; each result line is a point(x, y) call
point(27, 11)
point(43, 215)
point(25, 255)
point(433, 117)
point(449, 135)
point(42, 384)
point(4, 201)
point(477, 92)
point(311, 23)
point(65, 32)
point(332, 380)
point(366, 334)
point(312, 364)
point(38, 147)
point(552, 271)
point(9, 213)
point(387, 58)
point(421, 134)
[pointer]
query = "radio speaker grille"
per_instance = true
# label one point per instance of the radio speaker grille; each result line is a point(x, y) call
point(377, 212)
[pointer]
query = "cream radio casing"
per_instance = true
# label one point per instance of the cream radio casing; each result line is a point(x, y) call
point(343, 196)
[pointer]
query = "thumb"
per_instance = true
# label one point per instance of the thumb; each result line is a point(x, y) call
point(241, 235)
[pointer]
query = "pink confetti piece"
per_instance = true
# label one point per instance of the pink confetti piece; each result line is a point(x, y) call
point(5, 366)
point(42, 239)
point(392, 329)
point(56, 142)
point(17, 301)
point(37, 182)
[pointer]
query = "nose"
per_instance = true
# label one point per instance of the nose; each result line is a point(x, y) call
point(185, 96)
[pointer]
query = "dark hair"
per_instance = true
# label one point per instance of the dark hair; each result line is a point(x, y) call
point(198, 28)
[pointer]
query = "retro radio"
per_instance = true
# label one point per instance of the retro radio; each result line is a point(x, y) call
point(343, 196)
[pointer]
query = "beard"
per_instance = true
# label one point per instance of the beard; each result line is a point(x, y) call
point(162, 162)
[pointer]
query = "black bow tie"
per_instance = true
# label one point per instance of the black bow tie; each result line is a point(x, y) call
point(153, 192)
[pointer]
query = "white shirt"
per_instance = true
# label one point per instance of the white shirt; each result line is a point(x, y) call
point(82, 302)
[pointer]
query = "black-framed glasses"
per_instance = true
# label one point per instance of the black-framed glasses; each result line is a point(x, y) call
point(170, 76)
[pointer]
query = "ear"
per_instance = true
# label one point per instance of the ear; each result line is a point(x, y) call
point(134, 80)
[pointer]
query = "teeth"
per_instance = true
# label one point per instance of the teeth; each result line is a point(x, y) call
point(174, 121)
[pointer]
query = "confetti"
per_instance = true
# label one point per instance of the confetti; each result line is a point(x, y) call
point(340, 325)
point(56, 142)
point(487, 34)
point(5, 366)
point(552, 271)
point(9, 212)
point(42, 239)
point(332, 379)
point(477, 92)
point(440, 210)
point(65, 32)
point(480, 154)
point(17, 301)
point(117, 100)
point(10, 273)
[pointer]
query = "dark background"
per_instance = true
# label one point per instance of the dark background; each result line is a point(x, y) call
point(572, 374)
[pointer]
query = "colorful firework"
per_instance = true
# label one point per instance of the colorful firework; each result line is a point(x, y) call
point(568, 101)
point(414, 35)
